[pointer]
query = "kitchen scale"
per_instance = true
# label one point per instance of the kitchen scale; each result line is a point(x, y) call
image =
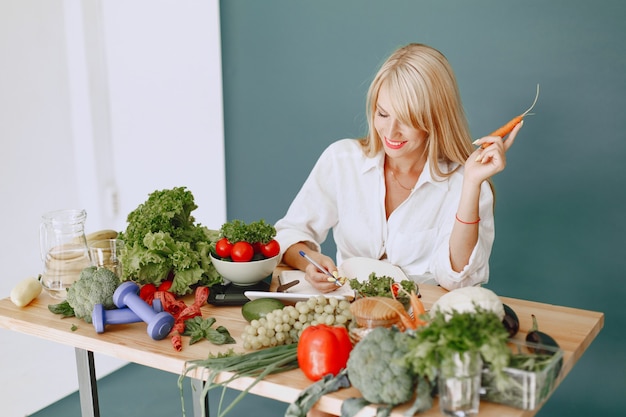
point(233, 295)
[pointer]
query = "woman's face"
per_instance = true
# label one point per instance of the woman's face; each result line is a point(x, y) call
point(398, 139)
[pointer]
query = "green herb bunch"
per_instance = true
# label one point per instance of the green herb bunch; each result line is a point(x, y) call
point(449, 333)
point(380, 286)
point(238, 231)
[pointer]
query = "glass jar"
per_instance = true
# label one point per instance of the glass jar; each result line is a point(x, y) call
point(64, 250)
point(459, 384)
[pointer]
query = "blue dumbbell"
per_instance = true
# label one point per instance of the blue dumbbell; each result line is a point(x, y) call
point(159, 324)
point(100, 317)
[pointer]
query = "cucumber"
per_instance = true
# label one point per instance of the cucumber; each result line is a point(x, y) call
point(255, 309)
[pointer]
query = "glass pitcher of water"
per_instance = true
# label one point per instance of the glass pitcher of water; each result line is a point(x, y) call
point(63, 249)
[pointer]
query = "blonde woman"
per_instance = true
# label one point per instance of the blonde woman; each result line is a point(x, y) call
point(415, 191)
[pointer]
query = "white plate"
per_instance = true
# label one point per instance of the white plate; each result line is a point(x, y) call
point(285, 296)
point(361, 268)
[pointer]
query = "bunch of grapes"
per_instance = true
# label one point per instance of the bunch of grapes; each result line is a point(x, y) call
point(284, 326)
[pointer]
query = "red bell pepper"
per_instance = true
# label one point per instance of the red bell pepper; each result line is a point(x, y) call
point(323, 350)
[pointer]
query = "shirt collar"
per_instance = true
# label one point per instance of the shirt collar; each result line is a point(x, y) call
point(378, 160)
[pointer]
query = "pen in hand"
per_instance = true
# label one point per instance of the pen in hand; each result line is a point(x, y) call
point(320, 268)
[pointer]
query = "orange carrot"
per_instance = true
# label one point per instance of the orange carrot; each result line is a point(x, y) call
point(418, 310)
point(507, 128)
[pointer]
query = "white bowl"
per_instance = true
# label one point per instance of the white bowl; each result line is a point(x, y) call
point(245, 273)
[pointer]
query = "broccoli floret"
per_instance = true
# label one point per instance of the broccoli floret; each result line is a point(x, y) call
point(94, 286)
point(376, 367)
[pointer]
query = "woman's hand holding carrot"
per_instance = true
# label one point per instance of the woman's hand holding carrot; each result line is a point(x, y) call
point(489, 158)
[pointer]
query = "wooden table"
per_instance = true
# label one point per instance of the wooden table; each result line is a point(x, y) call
point(574, 330)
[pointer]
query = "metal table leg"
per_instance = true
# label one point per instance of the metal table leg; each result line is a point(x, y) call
point(197, 385)
point(87, 384)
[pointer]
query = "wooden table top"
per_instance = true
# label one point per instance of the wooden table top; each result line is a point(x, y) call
point(573, 329)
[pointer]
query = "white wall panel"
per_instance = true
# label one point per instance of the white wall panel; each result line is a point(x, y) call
point(99, 95)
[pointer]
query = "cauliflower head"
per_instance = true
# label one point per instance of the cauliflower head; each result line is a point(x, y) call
point(94, 286)
point(377, 369)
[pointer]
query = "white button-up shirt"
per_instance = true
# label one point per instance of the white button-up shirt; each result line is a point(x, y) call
point(345, 192)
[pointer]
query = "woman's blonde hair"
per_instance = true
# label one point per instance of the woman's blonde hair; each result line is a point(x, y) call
point(424, 94)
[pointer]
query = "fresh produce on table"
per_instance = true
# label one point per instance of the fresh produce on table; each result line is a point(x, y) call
point(146, 292)
point(199, 329)
point(182, 313)
point(256, 364)
point(311, 394)
point(377, 368)
point(284, 326)
point(510, 320)
point(451, 332)
point(94, 286)
point(541, 339)
point(323, 350)
point(162, 241)
point(388, 365)
point(241, 242)
point(466, 299)
point(531, 376)
point(255, 309)
point(384, 286)
point(25, 291)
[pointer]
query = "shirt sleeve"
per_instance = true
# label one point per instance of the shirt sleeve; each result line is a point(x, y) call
point(476, 272)
point(313, 211)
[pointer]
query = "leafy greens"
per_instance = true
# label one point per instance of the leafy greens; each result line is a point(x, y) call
point(162, 240)
point(447, 334)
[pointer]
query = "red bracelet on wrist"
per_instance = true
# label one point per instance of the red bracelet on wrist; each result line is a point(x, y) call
point(461, 221)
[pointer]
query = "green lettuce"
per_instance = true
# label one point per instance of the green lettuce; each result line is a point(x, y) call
point(163, 241)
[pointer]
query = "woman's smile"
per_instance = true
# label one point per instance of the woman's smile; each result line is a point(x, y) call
point(392, 144)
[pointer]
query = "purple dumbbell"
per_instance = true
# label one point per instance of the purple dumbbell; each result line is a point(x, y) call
point(100, 317)
point(159, 324)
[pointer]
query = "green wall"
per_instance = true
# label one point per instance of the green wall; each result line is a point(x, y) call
point(295, 77)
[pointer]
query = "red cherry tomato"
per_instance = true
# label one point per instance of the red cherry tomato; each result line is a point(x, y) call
point(165, 286)
point(257, 247)
point(223, 248)
point(395, 289)
point(146, 292)
point(323, 350)
point(242, 252)
point(270, 249)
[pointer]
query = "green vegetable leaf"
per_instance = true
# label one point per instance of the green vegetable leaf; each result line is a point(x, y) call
point(310, 395)
point(199, 329)
point(380, 286)
point(255, 364)
point(64, 308)
point(162, 240)
point(447, 334)
point(238, 231)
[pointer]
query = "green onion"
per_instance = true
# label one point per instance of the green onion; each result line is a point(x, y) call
point(257, 364)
